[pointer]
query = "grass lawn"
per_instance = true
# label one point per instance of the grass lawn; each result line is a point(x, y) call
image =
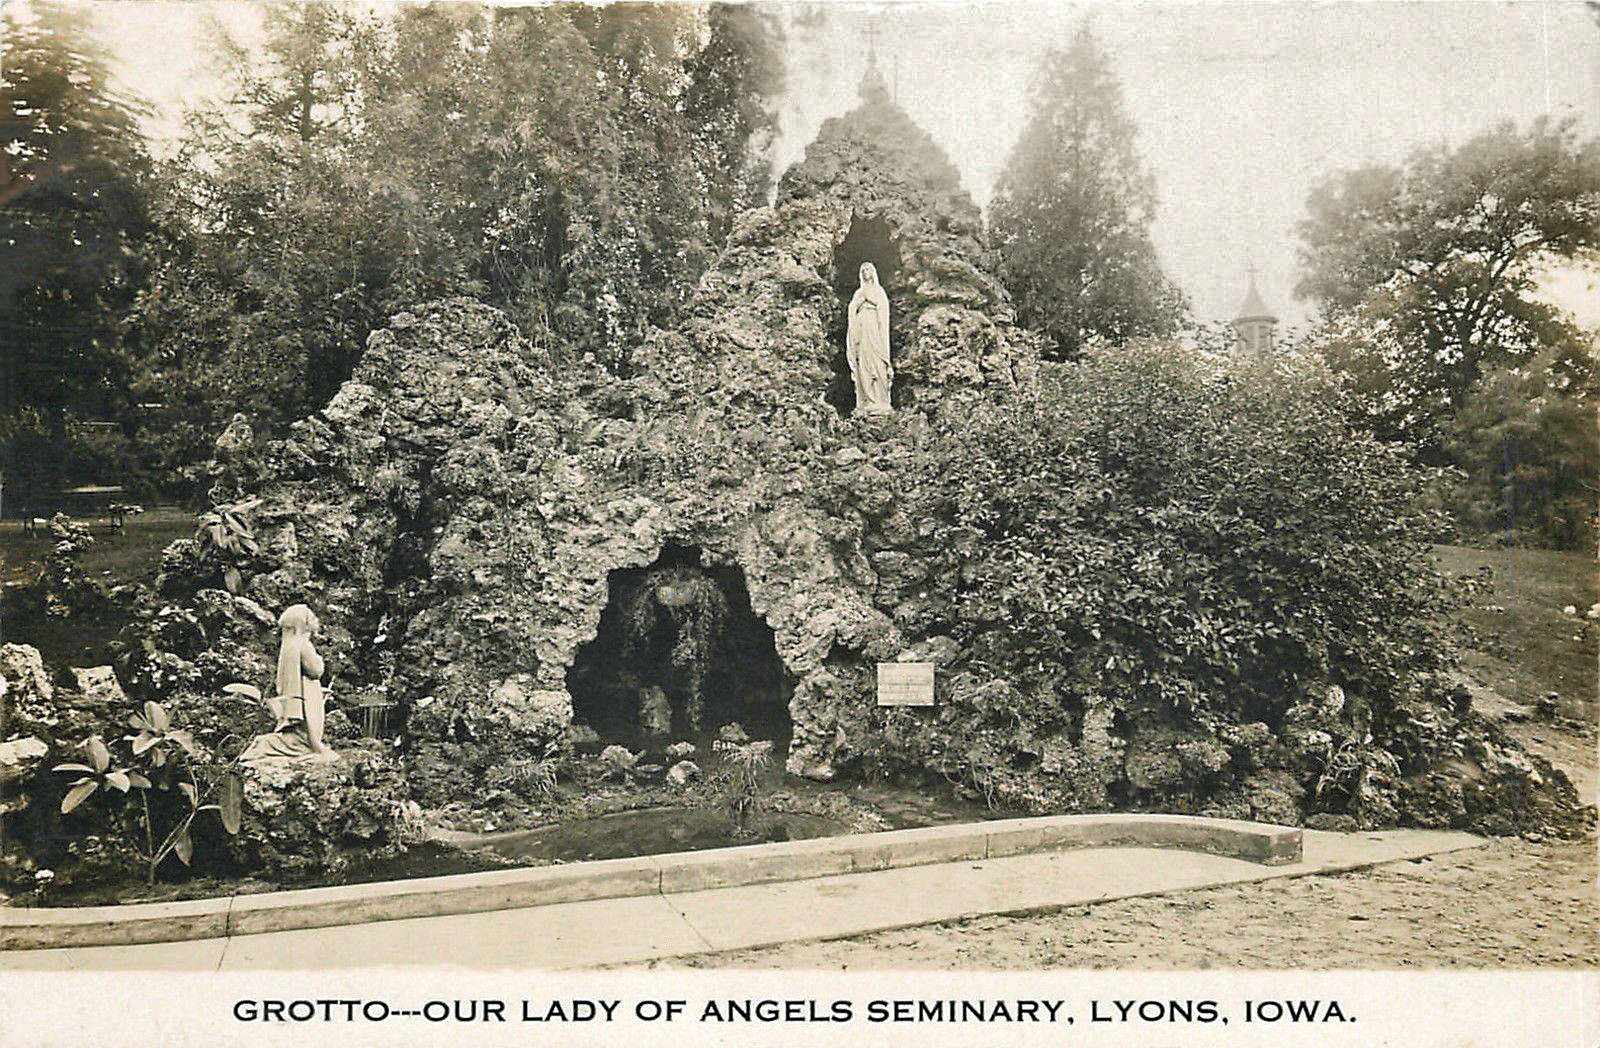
point(1523, 645)
point(134, 553)
point(1526, 645)
point(116, 557)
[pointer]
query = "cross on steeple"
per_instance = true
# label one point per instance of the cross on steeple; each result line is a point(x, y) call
point(873, 90)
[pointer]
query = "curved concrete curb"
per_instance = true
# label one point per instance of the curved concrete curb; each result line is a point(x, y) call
point(46, 928)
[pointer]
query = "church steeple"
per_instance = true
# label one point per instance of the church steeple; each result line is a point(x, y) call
point(1255, 325)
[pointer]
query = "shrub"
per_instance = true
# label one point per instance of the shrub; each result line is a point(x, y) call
point(227, 534)
point(1151, 552)
point(160, 757)
point(65, 587)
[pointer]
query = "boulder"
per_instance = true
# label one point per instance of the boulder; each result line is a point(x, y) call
point(537, 717)
point(304, 818)
point(807, 766)
point(27, 695)
point(617, 759)
point(683, 772)
point(19, 760)
point(98, 685)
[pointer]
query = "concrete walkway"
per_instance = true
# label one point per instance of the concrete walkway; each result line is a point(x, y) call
point(643, 928)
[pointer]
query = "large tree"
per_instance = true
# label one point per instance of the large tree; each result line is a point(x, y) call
point(1426, 277)
point(732, 80)
point(72, 217)
point(269, 252)
point(1072, 211)
point(1528, 454)
point(1426, 270)
point(571, 165)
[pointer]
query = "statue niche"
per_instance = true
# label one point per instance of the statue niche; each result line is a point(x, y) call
point(866, 262)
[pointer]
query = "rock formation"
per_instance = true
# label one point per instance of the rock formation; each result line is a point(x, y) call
point(458, 510)
point(455, 512)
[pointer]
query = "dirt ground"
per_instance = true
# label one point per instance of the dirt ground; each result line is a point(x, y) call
point(1509, 904)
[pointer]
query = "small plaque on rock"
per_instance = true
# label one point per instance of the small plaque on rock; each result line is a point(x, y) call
point(905, 684)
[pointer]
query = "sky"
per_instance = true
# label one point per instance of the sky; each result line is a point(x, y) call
point(1242, 107)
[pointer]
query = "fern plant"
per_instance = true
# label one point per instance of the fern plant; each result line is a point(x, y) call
point(697, 609)
point(739, 780)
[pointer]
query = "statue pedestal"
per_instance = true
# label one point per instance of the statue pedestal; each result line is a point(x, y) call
point(310, 816)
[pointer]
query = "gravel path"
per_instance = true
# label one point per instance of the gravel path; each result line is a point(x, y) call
point(1510, 904)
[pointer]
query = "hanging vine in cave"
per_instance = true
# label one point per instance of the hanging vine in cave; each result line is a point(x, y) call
point(698, 611)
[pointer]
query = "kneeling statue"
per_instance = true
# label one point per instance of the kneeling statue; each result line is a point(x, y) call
point(299, 706)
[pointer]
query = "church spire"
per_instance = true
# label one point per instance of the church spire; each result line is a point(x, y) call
point(1255, 325)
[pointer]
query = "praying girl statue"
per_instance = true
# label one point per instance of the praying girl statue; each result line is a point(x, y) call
point(299, 706)
point(867, 345)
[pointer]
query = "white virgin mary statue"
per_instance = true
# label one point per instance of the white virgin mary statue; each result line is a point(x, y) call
point(867, 345)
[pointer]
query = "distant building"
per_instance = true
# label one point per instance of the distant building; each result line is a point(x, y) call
point(1255, 325)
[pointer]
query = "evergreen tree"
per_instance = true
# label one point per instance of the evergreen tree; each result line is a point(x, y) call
point(261, 293)
point(72, 216)
point(1072, 211)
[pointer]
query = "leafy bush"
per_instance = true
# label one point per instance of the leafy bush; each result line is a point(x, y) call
point(226, 533)
point(160, 759)
point(96, 453)
point(1154, 556)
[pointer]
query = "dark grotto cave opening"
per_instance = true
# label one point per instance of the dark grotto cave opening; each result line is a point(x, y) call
point(679, 654)
point(870, 239)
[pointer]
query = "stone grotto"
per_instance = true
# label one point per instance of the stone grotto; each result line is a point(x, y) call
point(518, 558)
point(467, 517)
